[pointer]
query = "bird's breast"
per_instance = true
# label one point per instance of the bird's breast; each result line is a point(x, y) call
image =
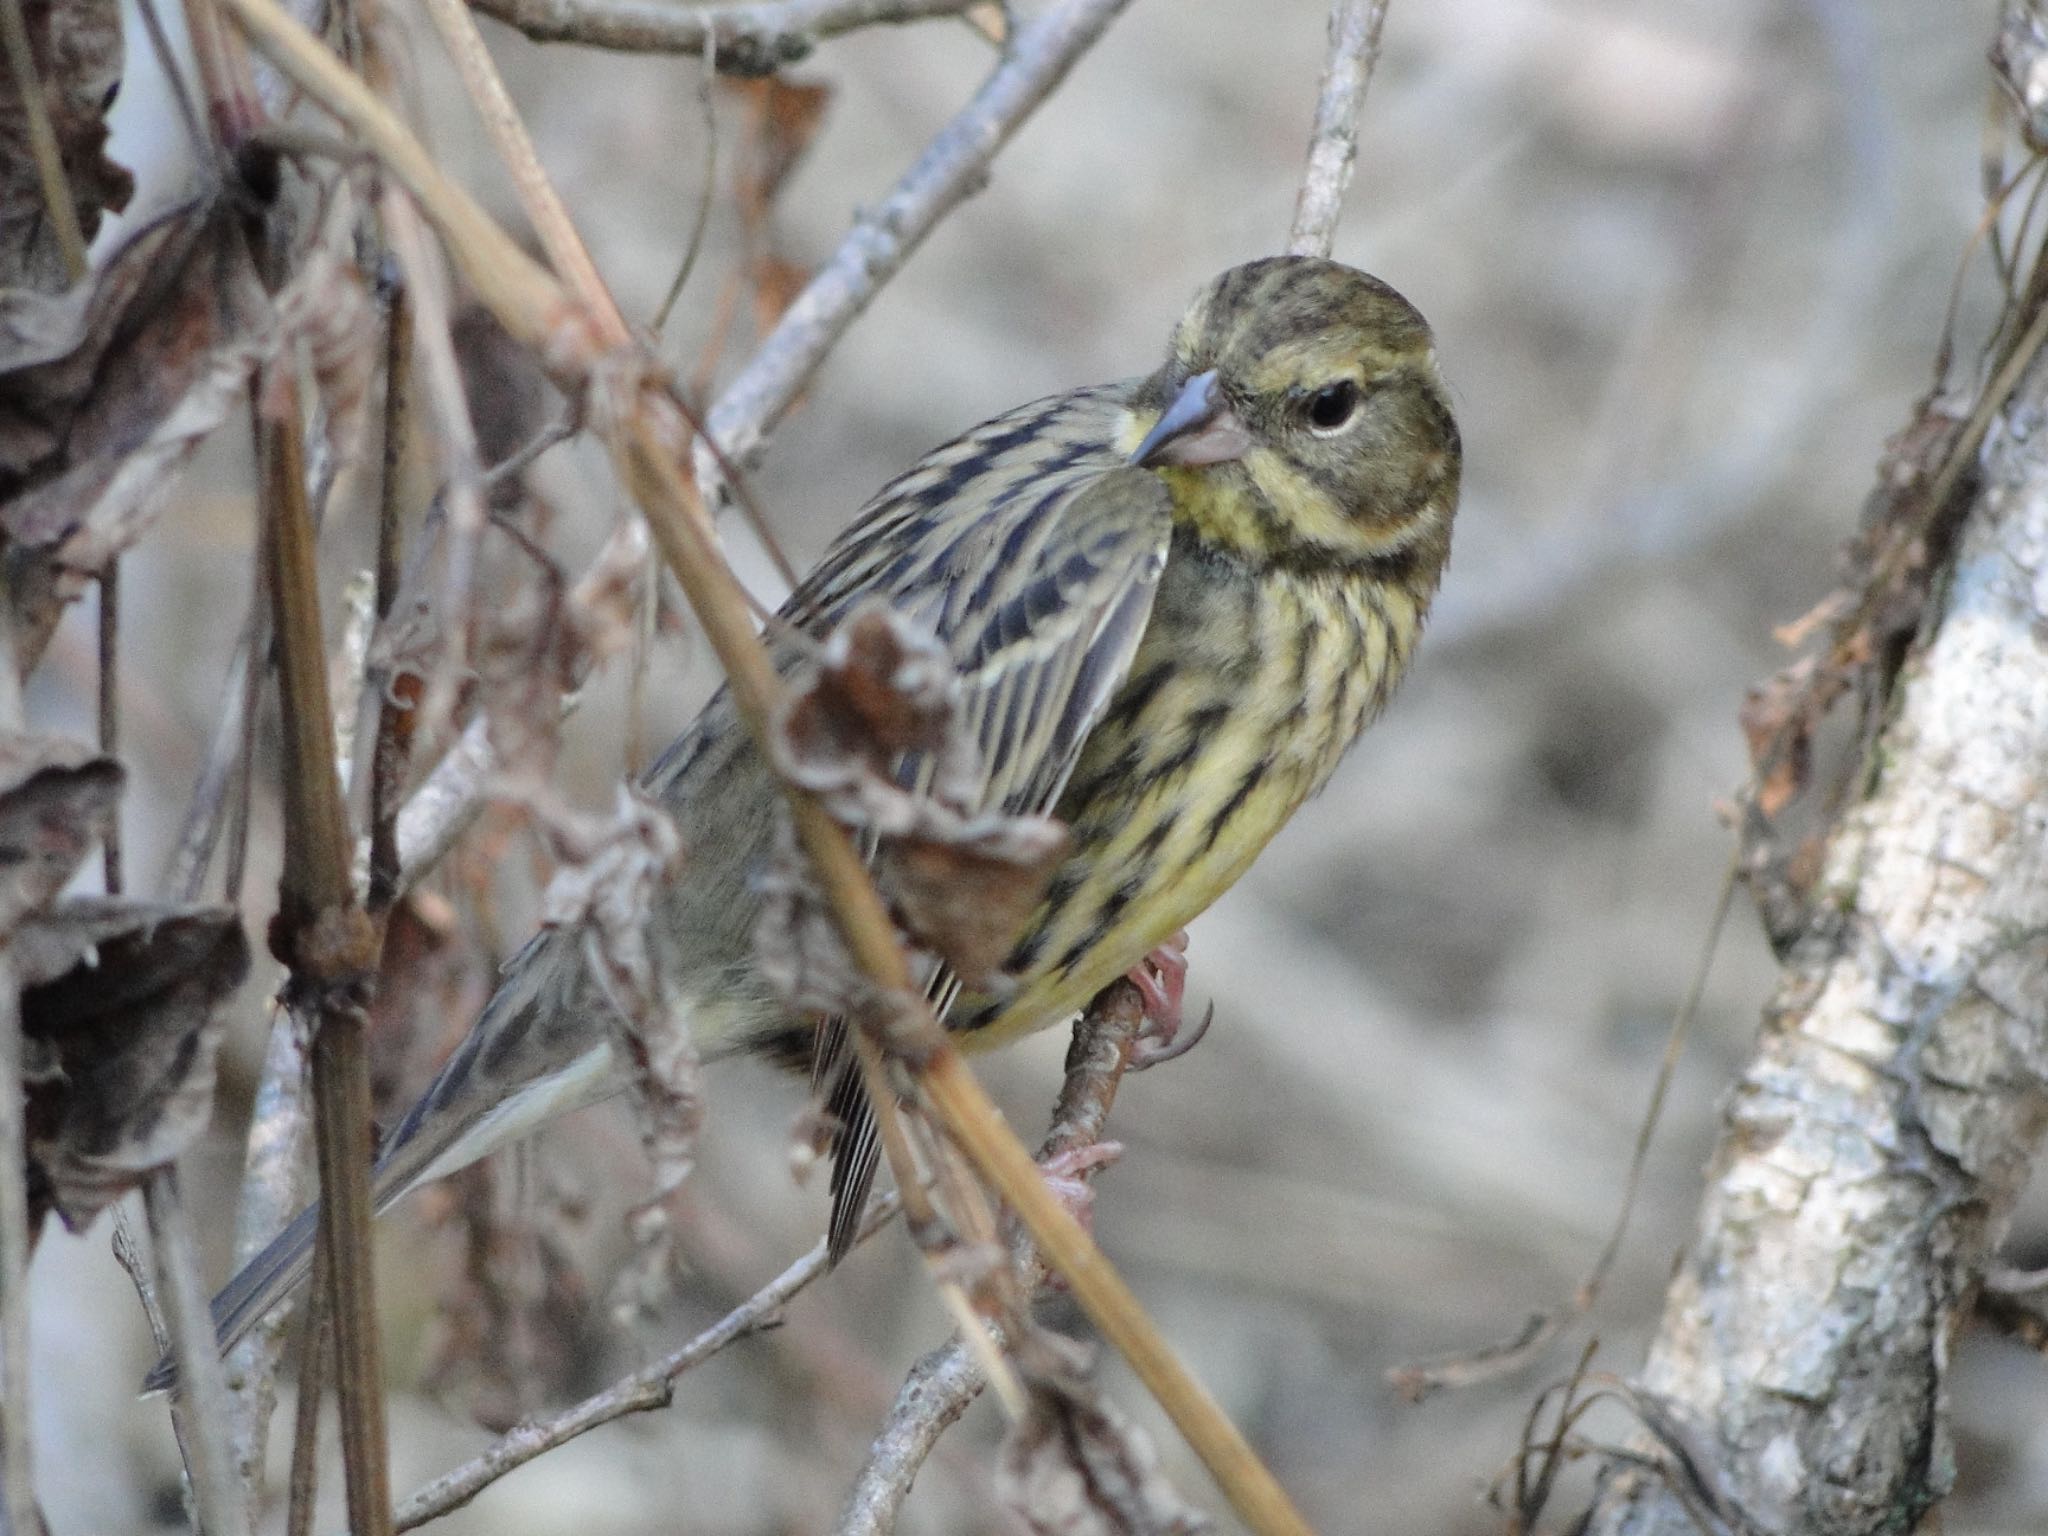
point(1245, 692)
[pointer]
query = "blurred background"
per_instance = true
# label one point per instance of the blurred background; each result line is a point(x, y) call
point(1688, 265)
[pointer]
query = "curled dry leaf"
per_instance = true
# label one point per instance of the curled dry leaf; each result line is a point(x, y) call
point(967, 894)
point(105, 391)
point(881, 688)
point(876, 732)
point(120, 1017)
point(57, 799)
point(76, 46)
point(1075, 1466)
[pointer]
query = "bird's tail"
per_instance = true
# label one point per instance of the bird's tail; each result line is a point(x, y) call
point(516, 1069)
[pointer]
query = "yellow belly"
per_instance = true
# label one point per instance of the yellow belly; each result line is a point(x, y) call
point(1242, 698)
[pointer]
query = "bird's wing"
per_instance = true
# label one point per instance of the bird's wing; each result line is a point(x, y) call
point(1042, 611)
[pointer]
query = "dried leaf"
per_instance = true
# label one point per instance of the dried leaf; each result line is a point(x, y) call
point(968, 896)
point(120, 1013)
point(105, 394)
point(57, 799)
point(1778, 719)
point(875, 732)
point(1075, 1466)
point(776, 282)
point(784, 116)
point(76, 46)
point(881, 688)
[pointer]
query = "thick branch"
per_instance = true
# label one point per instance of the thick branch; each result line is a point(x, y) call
point(1876, 1143)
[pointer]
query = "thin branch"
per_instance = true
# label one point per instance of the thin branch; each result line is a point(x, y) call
point(938, 1390)
point(746, 39)
point(871, 253)
point(461, 472)
point(202, 1393)
point(110, 706)
point(700, 221)
point(396, 697)
point(1333, 144)
point(316, 1350)
point(650, 1387)
point(274, 1177)
point(565, 249)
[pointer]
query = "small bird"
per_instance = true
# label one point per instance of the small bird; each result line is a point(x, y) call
point(1173, 603)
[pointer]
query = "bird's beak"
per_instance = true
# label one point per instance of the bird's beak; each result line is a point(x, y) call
point(1197, 428)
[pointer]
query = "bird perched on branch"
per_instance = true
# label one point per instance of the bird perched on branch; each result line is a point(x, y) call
point(1172, 602)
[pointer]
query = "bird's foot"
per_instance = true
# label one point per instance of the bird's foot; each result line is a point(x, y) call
point(1162, 981)
point(1063, 1173)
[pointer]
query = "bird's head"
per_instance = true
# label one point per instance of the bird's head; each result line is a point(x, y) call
point(1300, 419)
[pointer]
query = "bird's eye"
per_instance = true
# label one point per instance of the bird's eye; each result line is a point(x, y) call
point(1330, 407)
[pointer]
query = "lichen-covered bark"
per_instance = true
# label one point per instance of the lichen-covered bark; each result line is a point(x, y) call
point(1876, 1143)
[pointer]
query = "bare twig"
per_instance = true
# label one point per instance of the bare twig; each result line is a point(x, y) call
point(461, 473)
point(396, 697)
point(316, 1349)
point(871, 253)
point(273, 1189)
point(700, 220)
point(938, 1390)
point(650, 1387)
point(565, 249)
point(1333, 145)
point(203, 1399)
point(746, 39)
point(110, 706)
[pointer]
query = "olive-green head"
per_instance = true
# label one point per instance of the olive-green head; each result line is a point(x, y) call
point(1300, 418)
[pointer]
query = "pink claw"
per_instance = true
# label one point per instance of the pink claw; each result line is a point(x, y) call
point(1063, 1176)
point(1162, 981)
